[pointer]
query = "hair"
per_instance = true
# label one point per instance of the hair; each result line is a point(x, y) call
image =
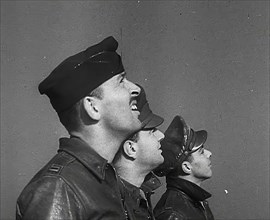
point(134, 137)
point(71, 118)
point(97, 92)
point(189, 158)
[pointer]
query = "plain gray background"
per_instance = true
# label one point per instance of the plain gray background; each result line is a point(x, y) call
point(205, 60)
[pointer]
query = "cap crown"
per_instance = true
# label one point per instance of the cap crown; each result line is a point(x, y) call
point(147, 117)
point(81, 73)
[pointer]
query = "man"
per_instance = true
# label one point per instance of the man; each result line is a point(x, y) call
point(96, 104)
point(186, 165)
point(139, 155)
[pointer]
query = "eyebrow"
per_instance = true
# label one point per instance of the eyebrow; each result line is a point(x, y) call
point(201, 148)
point(122, 75)
point(149, 129)
point(154, 129)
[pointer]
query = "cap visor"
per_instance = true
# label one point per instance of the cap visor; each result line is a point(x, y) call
point(152, 121)
point(201, 137)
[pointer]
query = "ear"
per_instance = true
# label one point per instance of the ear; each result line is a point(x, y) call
point(130, 149)
point(186, 167)
point(91, 107)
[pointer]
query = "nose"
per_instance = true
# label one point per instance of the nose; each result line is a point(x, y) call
point(209, 153)
point(133, 88)
point(160, 136)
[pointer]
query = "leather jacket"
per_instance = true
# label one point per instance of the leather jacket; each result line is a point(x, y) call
point(183, 200)
point(76, 184)
point(137, 201)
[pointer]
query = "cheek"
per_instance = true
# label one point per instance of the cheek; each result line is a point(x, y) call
point(198, 165)
point(154, 143)
point(116, 105)
point(149, 148)
point(203, 165)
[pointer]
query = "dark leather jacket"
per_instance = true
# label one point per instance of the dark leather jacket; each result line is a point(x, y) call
point(137, 201)
point(76, 184)
point(183, 200)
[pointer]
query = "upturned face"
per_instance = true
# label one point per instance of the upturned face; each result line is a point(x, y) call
point(201, 164)
point(148, 147)
point(118, 106)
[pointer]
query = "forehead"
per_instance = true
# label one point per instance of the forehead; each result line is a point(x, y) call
point(144, 132)
point(118, 76)
point(197, 150)
point(113, 79)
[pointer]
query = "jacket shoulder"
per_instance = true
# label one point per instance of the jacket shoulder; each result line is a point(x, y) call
point(52, 194)
point(170, 214)
point(49, 190)
point(171, 206)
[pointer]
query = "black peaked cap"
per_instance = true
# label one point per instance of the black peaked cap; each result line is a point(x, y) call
point(80, 74)
point(179, 141)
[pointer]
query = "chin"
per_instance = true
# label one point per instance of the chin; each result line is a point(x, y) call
point(136, 125)
point(209, 176)
point(161, 160)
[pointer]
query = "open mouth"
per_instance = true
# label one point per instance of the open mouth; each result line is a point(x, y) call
point(134, 105)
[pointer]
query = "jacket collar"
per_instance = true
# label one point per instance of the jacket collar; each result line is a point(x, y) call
point(151, 183)
point(191, 189)
point(85, 154)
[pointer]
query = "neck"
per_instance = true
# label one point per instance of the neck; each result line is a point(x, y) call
point(105, 144)
point(192, 179)
point(130, 173)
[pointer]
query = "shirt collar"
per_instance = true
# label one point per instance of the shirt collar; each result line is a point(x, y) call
point(191, 189)
point(85, 154)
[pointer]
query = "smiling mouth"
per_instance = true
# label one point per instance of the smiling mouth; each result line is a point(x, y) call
point(134, 105)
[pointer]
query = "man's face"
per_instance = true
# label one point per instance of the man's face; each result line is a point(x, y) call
point(201, 164)
point(118, 106)
point(149, 151)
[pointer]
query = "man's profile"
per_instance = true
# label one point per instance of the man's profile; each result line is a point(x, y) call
point(96, 104)
point(186, 165)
